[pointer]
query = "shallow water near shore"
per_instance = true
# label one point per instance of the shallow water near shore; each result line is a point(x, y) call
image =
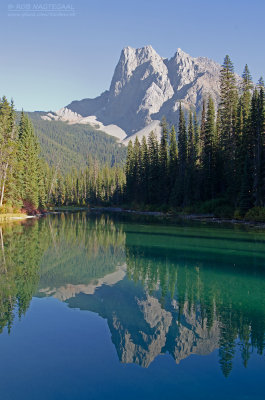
point(111, 306)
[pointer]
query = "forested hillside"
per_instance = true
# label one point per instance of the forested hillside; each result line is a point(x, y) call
point(72, 146)
point(28, 183)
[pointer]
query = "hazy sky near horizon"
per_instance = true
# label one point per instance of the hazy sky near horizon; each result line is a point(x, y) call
point(48, 61)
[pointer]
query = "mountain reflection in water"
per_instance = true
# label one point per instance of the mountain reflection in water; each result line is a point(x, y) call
point(179, 289)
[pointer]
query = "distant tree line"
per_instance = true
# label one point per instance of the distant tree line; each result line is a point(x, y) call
point(219, 161)
point(93, 185)
point(27, 182)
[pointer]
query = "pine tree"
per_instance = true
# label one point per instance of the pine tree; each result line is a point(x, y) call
point(163, 161)
point(196, 136)
point(144, 171)
point(173, 156)
point(247, 86)
point(129, 171)
point(202, 129)
point(191, 161)
point(258, 121)
point(182, 159)
point(208, 152)
point(137, 170)
point(242, 130)
point(262, 142)
point(29, 161)
point(228, 116)
point(153, 149)
point(8, 148)
point(245, 197)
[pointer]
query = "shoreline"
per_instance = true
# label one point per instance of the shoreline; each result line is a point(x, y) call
point(191, 217)
point(209, 218)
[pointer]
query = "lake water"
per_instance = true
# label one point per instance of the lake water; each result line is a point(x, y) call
point(113, 307)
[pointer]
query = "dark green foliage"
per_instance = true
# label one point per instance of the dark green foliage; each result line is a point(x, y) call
point(245, 197)
point(153, 178)
point(8, 152)
point(208, 153)
point(92, 185)
point(256, 214)
point(164, 163)
point(247, 87)
point(191, 161)
point(22, 174)
point(228, 116)
point(26, 179)
point(28, 156)
point(173, 157)
point(144, 171)
point(129, 171)
point(75, 146)
point(223, 158)
point(180, 186)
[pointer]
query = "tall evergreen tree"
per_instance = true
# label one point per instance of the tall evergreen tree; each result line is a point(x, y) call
point(228, 115)
point(208, 152)
point(258, 130)
point(247, 86)
point(191, 160)
point(29, 160)
point(144, 170)
point(153, 147)
point(129, 171)
point(182, 159)
point(202, 128)
point(163, 161)
point(173, 156)
point(8, 148)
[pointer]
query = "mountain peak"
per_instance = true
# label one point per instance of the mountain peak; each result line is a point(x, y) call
point(181, 55)
point(146, 87)
point(134, 61)
point(148, 48)
point(180, 52)
point(137, 56)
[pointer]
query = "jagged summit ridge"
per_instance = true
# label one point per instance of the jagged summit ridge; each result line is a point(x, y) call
point(146, 87)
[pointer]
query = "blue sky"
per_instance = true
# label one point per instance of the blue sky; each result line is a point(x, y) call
point(46, 62)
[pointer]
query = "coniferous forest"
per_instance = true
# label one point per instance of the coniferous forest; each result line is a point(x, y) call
point(27, 182)
point(209, 163)
point(217, 165)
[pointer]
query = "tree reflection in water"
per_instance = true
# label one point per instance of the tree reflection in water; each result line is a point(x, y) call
point(187, 291)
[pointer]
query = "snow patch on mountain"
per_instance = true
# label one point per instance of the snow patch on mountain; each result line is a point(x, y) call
point(66, 115)
point(154, 126)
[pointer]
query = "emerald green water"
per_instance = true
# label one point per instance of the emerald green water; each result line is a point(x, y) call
point(107, 306)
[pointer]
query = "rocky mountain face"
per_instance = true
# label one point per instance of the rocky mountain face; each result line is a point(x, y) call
point(141, 328)
point(161, 332)
point(144, 88)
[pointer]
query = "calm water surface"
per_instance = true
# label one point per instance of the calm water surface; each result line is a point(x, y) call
point(106, 307)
